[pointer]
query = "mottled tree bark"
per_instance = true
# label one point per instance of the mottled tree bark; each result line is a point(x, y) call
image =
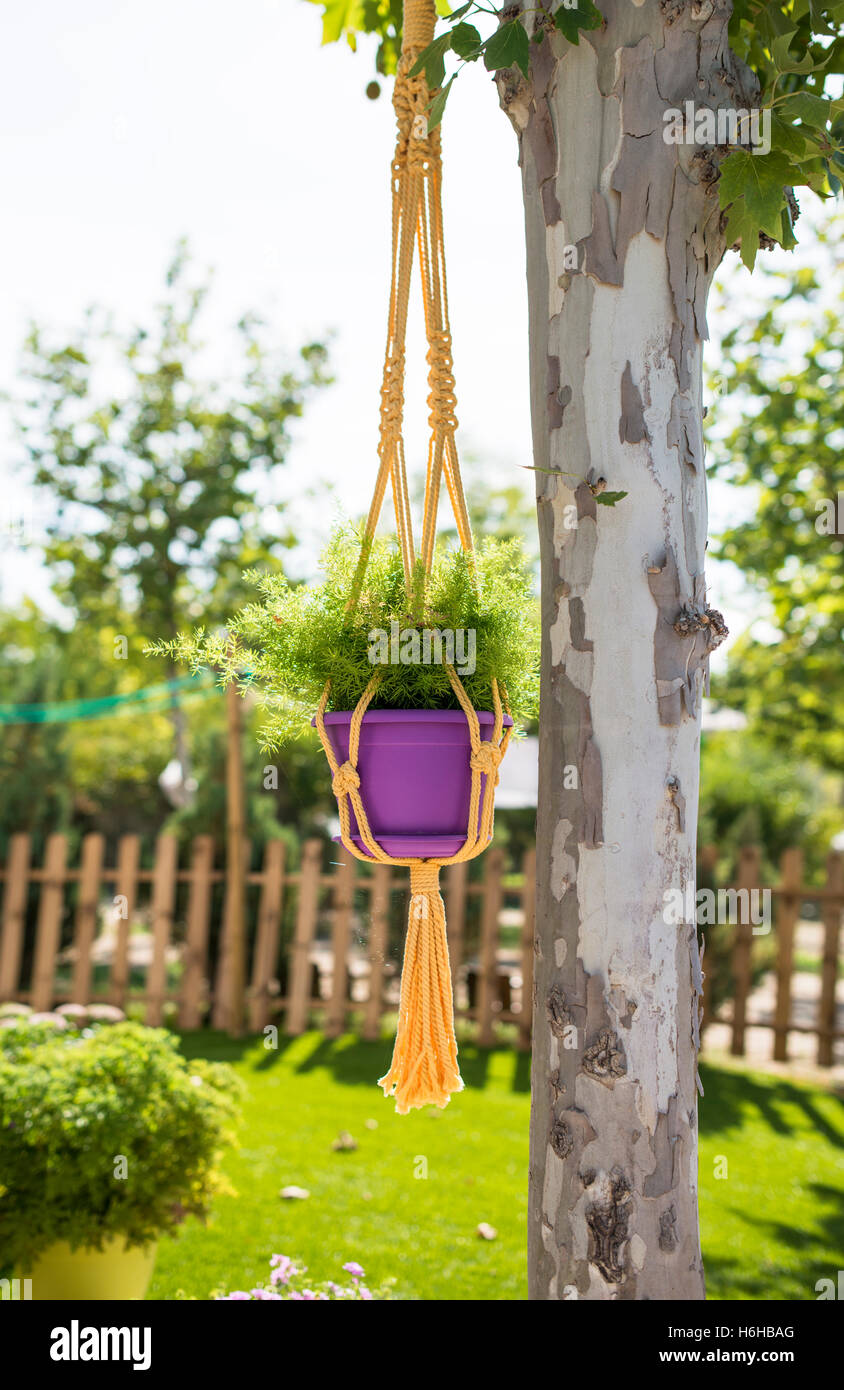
point(623, 237)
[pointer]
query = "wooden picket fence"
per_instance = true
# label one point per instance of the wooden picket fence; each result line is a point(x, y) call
point(180, 911)
point(325, 946)
point(788, 895)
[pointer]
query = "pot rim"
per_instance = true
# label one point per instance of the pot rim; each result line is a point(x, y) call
point(401, 716)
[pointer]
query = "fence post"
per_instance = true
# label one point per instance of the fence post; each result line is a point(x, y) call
point(528, 945)
point(163, 901)
point(48, 930)
point(788, 911)
point(230, 987)
point(195, 960)
point(344, 896)
point(379, 921)
point(829, 970)
point(265, 955)
point(306, 915)
point(125, 889)
point(748, 878)
point(14, 915)
point(488, 954)
point(85, 921)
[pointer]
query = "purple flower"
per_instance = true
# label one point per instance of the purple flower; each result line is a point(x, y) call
point(364, 1293)
point(267, 1295)
point(354, 1269)
point(283, 1269)
point(238, 1294)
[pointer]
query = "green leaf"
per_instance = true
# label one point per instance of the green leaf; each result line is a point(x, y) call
point(812, 110)
point(787, 239)
point(466, 41)
point(789, 138)
point(767, 177)
point(340, 16)
point(761, 181)
point(509, 47)
point(571, 18)
point(783, 60)
point(741, 227)
point(459, 13)
point(435, 114)
point(431, 59)
point(609, 499)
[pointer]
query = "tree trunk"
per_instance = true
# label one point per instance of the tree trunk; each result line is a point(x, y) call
point(623, 237)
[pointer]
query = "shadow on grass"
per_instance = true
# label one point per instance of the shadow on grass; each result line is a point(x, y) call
point(351, 1061)
point(729, 1094)
point(730, 1279)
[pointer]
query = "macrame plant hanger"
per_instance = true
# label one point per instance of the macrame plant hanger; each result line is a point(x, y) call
point(424, 1069)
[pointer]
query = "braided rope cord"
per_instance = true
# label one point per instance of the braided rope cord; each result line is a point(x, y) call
point(424, 1068)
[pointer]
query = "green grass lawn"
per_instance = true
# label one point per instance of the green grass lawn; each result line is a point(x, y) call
point(771, 1228)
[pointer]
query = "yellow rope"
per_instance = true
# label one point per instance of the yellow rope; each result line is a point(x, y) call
point(417, 225)
point(424, 1068)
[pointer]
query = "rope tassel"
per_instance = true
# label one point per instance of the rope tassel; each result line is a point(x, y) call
point(424, 1069)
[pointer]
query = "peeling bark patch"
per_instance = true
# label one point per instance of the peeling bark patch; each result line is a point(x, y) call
point(607, 1218)
point(682, 431)
point(667, 1145)
point(681, 654)
point(560, 1139)
point(555, 409)
point(539, 134)
point(593, 794)
point(668, 1239)
point(577, 628)
point(557, 1012)
point(596, 252)
point(631, 425)
point(563, 866)
point(675, 795)
point(605, 1058)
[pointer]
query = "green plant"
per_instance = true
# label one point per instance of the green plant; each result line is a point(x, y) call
point(299, 637)
point(105, 1132)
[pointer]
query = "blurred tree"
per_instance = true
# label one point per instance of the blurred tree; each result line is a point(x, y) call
point(752, 794)
point(33, 759)
point(785, 373)
point(154, 469)
point(102, 773)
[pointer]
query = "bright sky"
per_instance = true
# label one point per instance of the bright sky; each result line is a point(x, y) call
point(125, 126)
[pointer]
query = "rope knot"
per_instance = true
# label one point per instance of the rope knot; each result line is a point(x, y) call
point(345, 780)
point(442, 399)
point(424, 877)
point(487, 760)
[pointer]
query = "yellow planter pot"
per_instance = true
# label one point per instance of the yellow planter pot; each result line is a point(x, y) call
point(113, 1272)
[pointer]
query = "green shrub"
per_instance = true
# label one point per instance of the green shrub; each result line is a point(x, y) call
point(300, 636)
point(105, 1132)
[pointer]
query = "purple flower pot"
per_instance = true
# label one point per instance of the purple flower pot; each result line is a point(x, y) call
point(415, 776)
